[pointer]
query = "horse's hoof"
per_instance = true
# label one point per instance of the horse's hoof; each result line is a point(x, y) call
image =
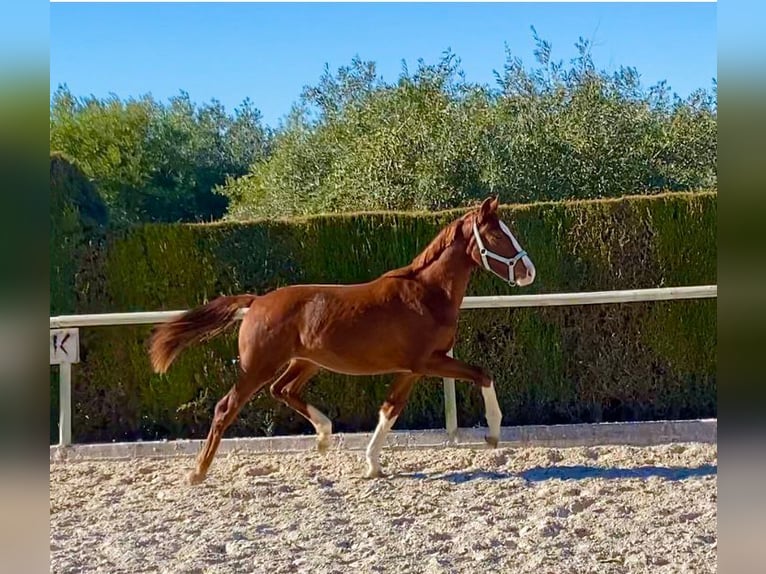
point(374, 473)
point(194, 478)
point(491, 441)
point(323, 444)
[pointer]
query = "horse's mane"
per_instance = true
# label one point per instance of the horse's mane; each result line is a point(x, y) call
point(431, 253)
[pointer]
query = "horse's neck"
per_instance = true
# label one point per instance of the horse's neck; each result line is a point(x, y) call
point(449, 272)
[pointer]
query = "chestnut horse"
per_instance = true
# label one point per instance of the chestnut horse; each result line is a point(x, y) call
point(403, 322)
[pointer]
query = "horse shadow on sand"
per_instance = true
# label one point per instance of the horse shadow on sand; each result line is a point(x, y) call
point(577, 472)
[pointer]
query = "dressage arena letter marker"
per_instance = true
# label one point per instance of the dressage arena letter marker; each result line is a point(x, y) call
point(64, 346)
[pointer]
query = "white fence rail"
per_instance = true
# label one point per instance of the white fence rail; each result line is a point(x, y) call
point(73, 322)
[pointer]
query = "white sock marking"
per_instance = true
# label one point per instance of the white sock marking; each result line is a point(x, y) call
point(492, 408)
point(376, 444)
point(321, 423)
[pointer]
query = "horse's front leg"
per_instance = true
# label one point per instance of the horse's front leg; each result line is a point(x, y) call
point(389, 412)
point(442, 365)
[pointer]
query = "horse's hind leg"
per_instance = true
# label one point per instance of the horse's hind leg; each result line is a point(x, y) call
point(225, 412)
point(287, 389)
point(389, 412)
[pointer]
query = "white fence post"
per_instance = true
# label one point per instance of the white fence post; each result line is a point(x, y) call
point(65, 350)
point(450, 406)
point(65, 404)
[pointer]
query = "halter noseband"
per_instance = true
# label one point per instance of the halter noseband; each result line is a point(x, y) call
point(509, 261)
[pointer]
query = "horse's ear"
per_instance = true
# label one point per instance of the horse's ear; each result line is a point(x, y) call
point(494, 203)
point(486, 208)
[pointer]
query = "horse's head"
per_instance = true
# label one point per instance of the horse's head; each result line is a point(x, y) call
point(493, 246)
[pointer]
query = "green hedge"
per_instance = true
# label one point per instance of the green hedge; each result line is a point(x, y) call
point(552, 365)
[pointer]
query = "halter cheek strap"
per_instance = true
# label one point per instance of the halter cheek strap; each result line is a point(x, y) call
point(510, 262)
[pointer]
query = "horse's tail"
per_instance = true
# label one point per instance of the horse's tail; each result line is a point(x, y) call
point(205, 322)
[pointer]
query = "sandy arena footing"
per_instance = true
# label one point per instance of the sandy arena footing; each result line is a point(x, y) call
point(580, 509)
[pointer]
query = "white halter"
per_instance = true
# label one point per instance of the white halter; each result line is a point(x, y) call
point(509, 261)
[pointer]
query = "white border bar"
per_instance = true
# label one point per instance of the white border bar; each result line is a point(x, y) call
point(644, 433)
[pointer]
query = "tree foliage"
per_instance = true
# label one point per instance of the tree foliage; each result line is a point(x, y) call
point(428, 140)
point(157, 162)
point(433, 140)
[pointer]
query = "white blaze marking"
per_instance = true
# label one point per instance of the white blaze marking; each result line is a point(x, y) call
point(530, 267)
point(492, 408)
point(378, 438)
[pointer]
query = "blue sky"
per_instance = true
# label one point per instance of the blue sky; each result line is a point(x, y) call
point(268, 52)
